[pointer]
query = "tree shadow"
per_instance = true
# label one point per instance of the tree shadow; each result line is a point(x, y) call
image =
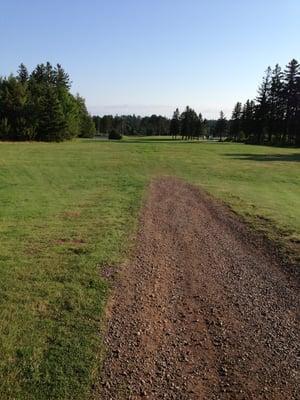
point(148, 141)
point(293, 157)
point(151, 140)
point(144, 140)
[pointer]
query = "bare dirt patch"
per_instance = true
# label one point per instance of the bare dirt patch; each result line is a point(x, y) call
point(204, 310)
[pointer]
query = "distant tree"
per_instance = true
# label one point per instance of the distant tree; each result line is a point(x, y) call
point(200, 126)
point(185, 123)
point(235, 122)
point(107, 123)
point(87, 127)
point(175, 124)
point(205, 128)
point(221, 126)
point(211, 127)
point(189, 124)
point(133, 125)
point(97, 123)
point(248, 123)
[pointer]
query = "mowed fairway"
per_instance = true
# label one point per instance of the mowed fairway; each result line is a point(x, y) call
point(69, 209)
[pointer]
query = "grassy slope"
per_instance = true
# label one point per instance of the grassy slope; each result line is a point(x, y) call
point(67, 209)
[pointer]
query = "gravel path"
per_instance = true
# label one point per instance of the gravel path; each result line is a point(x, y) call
point(204, 310)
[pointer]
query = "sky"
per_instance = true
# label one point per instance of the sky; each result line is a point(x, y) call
point(151, 56)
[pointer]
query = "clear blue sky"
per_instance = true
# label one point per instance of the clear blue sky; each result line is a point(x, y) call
point(146, 56)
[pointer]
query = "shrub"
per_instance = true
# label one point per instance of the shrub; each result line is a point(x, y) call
point(114, 136)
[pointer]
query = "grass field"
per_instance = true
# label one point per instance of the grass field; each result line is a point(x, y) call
point(68, 209)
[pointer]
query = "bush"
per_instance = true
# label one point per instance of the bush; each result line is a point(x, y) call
point(114, 136)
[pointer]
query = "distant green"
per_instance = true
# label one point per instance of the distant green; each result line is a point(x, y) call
point(68, 209)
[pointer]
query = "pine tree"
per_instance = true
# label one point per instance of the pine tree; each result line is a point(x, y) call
point(277, 106)
point(292, 76)
point(297, 116)
point(23, 74)
point(200, 126)
point(175, 124)
point(235, 122)
point(248, 123)
point(13, 110)
point(263, 108)
point(87, 127)
point(205, 128)
point(40, 106)
point(52, 123)
point(189, 124)
point(221, 126)
point(185, 123)
point(62, 79)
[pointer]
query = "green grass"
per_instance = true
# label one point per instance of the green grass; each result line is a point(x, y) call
point(68, 209)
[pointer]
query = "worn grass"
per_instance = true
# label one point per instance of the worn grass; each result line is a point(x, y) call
point(68, 209)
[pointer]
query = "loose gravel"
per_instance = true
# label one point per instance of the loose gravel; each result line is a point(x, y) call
point(203, 310)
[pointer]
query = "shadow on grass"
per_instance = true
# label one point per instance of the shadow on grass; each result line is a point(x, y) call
point(150, 141)
point(145, 140)
point(294, 157)
point(162, 141)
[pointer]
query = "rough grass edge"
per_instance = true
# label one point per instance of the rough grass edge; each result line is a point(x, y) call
point(111, 274)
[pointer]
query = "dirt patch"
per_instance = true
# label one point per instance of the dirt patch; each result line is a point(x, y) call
point(204, 310)
point(71, 214)
point(70, 241)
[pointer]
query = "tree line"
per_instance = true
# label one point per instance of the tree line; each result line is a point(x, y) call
point(39, 106)
point(131, 125)
point(274, 116)
point(186, 125)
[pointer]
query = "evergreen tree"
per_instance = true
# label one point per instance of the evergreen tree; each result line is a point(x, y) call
point(87, 127)
point(62, 79)
point(221, 126)
point(189, 124)
point(52, 122)
point(235, 122)
point(200, 126)
point(292, 76)
point(277, 106)
point(40, 106)
point(297, 115)
point(13, 110)
point(205, 128)
point(248, 123)
point(263, 108)
point(23, 74)
point(275, 117)
point(175, 124)
point(97, 123)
